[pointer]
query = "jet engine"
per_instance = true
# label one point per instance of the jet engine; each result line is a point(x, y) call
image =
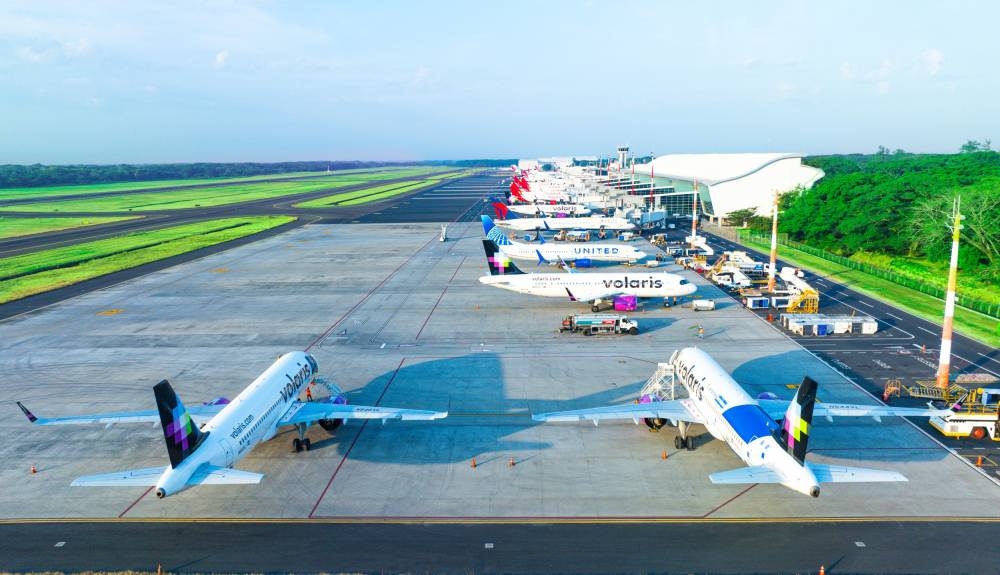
point(330, 425)
point(655, 423)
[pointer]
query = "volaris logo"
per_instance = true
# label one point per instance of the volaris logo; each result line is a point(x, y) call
point(625, 282)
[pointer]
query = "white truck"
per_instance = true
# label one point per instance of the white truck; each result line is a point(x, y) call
point(703, 304)
point(600, 324)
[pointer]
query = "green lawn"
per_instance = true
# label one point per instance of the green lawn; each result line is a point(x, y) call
point(11, 227)
point(120, 187)
point(28, 274)
point(967, 322)
point(367, 195)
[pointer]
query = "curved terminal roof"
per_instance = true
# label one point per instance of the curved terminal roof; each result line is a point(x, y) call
point(710, 169)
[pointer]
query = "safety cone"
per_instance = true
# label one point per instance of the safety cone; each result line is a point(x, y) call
point(979, 462)
point(473, 464)
point(664, 455)
point(511, 462)
point(822, 570)
point(923, 348)
point(35, 469)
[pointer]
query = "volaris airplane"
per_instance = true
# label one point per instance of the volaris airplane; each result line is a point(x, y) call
point(522, 224)
point(773, 452)
point(205, 455)
point(593, 288)
point(551, 253)
point(545, 210)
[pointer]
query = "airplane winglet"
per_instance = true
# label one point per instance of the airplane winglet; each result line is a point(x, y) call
point(31, 416)
point(571, 296)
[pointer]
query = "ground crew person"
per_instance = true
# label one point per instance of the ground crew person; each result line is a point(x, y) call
point(701, 332)
point(309, 393)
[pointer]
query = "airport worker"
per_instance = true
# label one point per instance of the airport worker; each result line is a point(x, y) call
point(701, 332)
point(309, 393)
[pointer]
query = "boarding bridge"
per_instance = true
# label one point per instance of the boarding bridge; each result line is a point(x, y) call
point(662, 385)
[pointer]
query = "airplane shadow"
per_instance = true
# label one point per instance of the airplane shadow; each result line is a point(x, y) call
point(484, 422)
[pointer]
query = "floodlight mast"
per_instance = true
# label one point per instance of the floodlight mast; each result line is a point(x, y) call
point(944, 362)
point(774, 245)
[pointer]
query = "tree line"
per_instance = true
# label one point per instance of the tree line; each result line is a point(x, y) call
point(898, 204)
point(38, 175)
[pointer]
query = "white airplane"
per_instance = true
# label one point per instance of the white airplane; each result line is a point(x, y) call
point(205, 455)
point(549, 210)
point(551, 253)
point(593, 288)
point(516, 222)
point(774, 453)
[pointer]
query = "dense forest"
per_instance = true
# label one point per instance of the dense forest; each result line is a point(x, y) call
point(898, 204)
point(36, 175)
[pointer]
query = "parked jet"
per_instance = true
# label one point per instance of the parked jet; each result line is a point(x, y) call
point(551, 253)
point(774, 452)
point(518, 223)
point(205, 455)
point(593, 288)
point(546, 210)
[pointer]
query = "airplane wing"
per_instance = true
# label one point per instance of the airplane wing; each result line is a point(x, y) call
point(198, 412)
point(840, 474)
point(591, 295)
point(205, 475)
point(776, 409)
point(824, 474)
point(676, 410)
point(313, 411)
point(133, 477)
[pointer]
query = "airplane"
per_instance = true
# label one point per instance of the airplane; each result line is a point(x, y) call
point(769, 435)
point(551, 210)
point(205, 455)
point(594, 288)
point(521, 224)
point(550, 253)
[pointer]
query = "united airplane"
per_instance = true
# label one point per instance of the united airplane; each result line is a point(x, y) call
point(593, 288)
point(522, 224)
point(769, 435)
point(205, 455)
point(551, 253)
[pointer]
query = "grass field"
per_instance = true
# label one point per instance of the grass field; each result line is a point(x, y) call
point(123, 187)
point(967, 322)
point(46, 270)
point(14, 227)
point(931, 273)
point(206, 196)
point(367, 195)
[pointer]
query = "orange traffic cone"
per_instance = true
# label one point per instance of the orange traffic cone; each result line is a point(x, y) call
point(473, 465)
point(511, 462)
point(664, 455)
point(822, 570)
point(35, 469)
point(979, 462)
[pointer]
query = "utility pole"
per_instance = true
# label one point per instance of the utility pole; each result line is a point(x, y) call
point(694, 214)
point(944, 363)
point(774, 245)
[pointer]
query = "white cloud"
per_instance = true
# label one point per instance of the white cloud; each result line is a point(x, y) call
point(221, 59)
point(29, 54)
point(882, 87)
point(884, 69)
point(847, 71)
point(931, 61)
point(77, 48)
point(786, 90)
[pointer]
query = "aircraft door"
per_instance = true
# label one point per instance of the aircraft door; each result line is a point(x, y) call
point(227, 448)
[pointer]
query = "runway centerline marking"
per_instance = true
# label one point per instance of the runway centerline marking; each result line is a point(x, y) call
point(927, 330)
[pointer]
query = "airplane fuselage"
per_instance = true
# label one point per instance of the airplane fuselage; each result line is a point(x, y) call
point(659, 284)
point(248, 419)
point(731, 415)
point(586, 223)
point(604, 252)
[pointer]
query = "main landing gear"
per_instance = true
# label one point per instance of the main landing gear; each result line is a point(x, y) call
point(301, 442)
point(682, 440)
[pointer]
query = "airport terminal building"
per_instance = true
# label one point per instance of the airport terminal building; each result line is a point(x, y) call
point(725, 182)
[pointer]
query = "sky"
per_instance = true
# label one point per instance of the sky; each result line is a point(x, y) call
point(145, 82)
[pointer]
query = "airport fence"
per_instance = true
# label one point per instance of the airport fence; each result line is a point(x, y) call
point(991, 309)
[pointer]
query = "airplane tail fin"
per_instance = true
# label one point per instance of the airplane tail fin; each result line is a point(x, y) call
point(795, 428)
point(494, 233)
point(179, 431)
point(500, 264)
point(541, 258)
point(502, 211)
